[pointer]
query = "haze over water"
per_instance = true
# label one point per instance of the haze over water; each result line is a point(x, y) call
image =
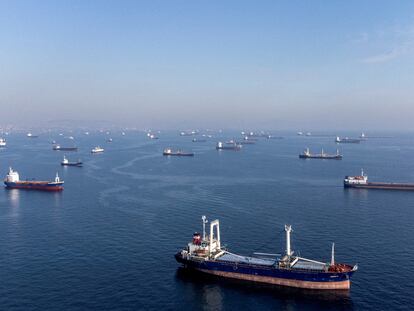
point(233, 64)
point(107, 241)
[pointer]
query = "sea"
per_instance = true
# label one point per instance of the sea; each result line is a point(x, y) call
point(107, 242)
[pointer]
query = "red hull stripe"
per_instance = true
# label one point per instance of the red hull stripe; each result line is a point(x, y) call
point(59, 188)
point(283, 282)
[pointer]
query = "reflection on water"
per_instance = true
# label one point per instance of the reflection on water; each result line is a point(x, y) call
point(13, 196)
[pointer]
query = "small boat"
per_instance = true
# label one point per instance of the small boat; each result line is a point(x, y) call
point(58, 147)
point(12, 181)
point(65, 162)
point(308, 134)
point(30, 135)
point(347, 140)
point(199, 140)
point(97, 150)
point(307, 155)
point(205, 254)
point(109, 140)
point(3, 142)
point(228, 146)
point(170, 152)
point(299, 133)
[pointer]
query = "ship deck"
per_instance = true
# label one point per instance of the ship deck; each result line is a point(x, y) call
point(229, 257)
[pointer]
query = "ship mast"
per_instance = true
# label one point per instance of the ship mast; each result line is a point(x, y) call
point(288, 229)
point(204, 219)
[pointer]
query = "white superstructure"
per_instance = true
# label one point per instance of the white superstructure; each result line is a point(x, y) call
point(12, 176)
point(356, 180)
point(2, 142)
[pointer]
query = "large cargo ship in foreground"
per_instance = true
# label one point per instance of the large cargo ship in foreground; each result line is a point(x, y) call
point(361, 181)
point(205, 254)
point(13, 181)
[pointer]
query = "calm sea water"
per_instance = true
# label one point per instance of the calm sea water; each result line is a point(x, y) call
point(107, 241)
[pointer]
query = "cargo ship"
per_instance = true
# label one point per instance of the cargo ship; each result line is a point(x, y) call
point(205, 254)
point(307, 155)
point(347, 140)
point(179, 153)
point(12, 181)
point(361, 181)
point(58, 147)
point(66, 162)
point(228, 146)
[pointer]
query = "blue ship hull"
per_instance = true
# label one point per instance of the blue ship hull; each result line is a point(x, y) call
point(271, 274)
point(35, 185)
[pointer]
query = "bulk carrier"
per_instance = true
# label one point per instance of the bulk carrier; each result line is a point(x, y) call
point(205, 253)
point(13, 181)
point(307, 155)
point(361, 181)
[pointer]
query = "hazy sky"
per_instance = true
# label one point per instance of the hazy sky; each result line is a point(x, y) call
point(263, 64)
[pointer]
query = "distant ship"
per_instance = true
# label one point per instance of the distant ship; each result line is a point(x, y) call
point(3, 142)
point(97, 150)
point(58, 147)
point(109, 140)
point(246, 141)
point(299, 133)
point(180, 153)
point(199, 140)
point(30, 135)
point(189, 133)
point(205, 254)
point(151, 136)
point(228, 146)
point(13, 181)
point(307, 155)
point(65, 162)
point(274, 137)
point(347, 140)
point(308, 134)
point(361, 181)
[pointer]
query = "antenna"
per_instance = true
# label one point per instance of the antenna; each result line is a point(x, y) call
point(204, 219)
point(333, 255)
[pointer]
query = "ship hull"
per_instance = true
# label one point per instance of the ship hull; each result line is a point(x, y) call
point(271, 275)
point(349, 141)
point(302, 156)
point(71, 164)
point(43, 186)
point(179, 154)
point(66, 149)
point(383, 186)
